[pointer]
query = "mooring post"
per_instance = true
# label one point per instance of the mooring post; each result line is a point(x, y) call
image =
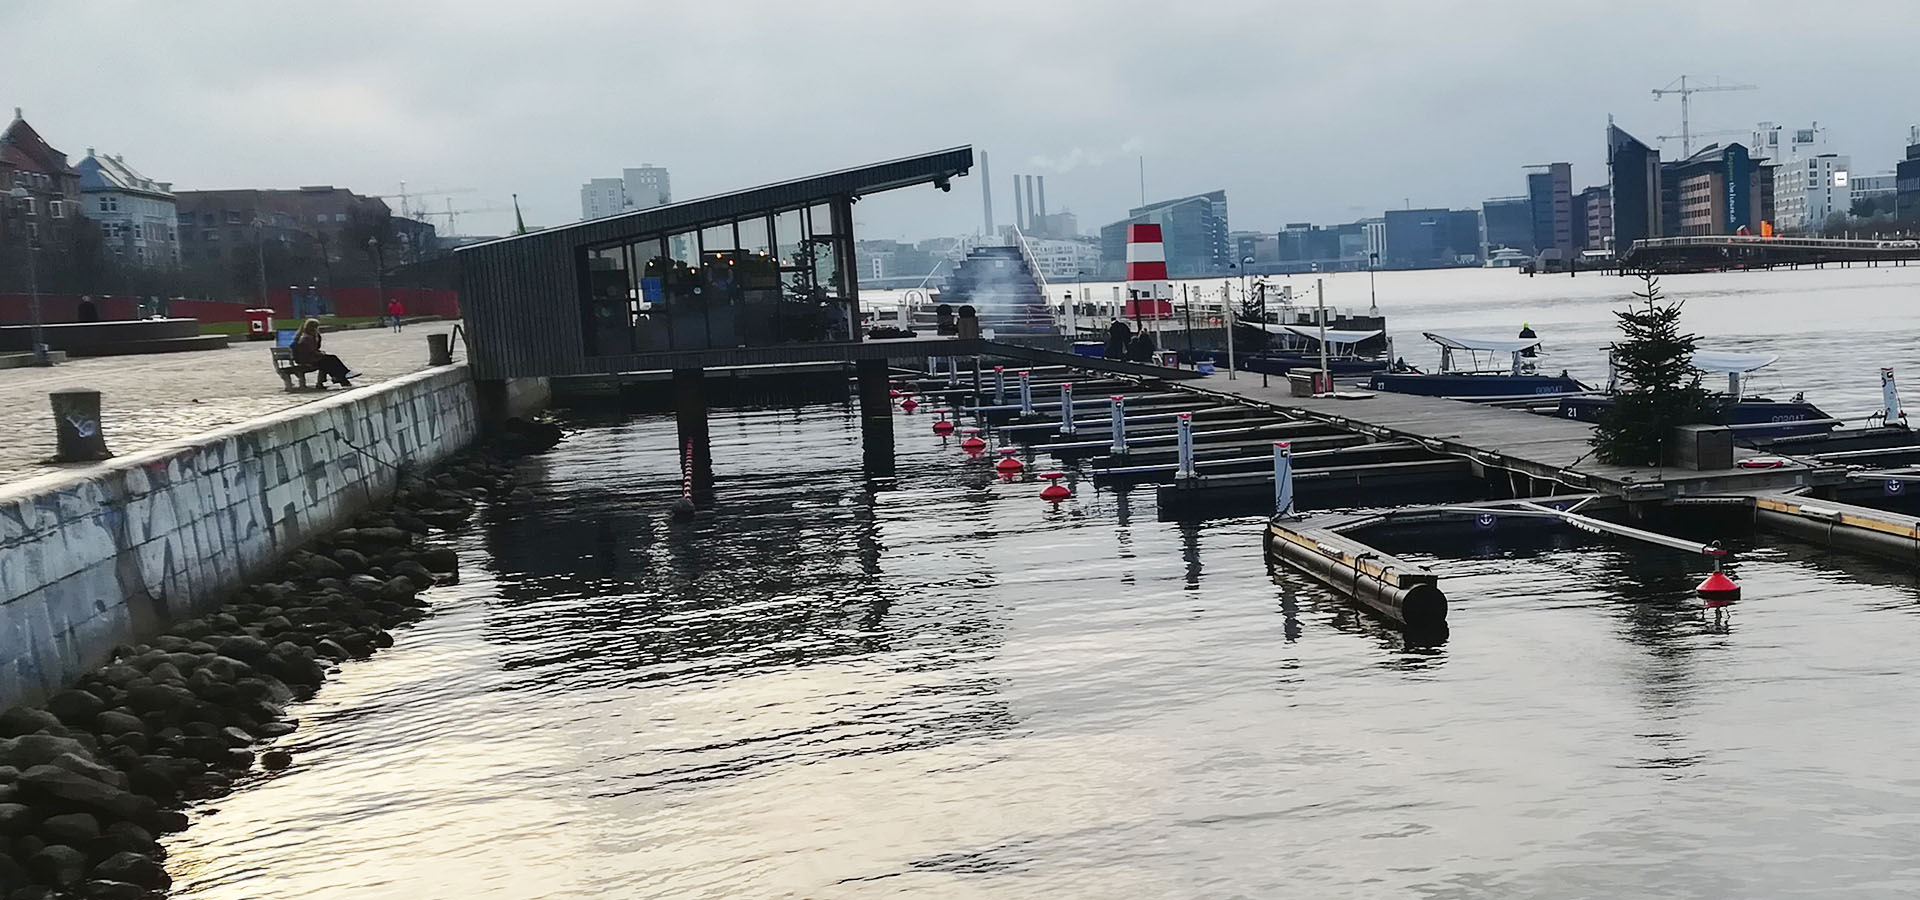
point(1026, 393)
point(976, 380)
point(999, 385)
point(439, 349)
point(1282, 478)
point(1890, 395)
point(876, 416)
point(1066, 408)
point(953, 371)
point(1119, 425)
point(78, 435)
point(690, 414)
point(1183, 428)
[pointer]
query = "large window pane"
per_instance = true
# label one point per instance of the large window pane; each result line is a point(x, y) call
point(716, 239)
point(609, 329)
point(686, 307)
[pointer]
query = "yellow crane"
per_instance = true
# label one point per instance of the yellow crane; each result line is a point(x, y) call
point(1686, 92)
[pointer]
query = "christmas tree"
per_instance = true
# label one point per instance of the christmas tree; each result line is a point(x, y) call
point(1658, 385)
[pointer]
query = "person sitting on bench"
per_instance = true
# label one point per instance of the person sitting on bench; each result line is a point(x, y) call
point(306, 351)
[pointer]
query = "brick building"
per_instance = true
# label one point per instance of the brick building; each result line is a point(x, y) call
point(52, 205)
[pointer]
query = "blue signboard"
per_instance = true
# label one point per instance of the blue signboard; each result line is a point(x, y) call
point(651, 291)
point(1739, 189)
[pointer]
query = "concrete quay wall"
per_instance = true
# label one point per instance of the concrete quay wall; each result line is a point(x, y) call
point(110, 554)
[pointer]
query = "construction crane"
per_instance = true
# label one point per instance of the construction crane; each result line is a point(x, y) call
point(454, 214)
point(1722, 132)
point(1686, 93)
point(406, 209)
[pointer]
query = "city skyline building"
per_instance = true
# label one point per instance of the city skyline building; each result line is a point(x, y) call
point(137, 215)
point(1194, 231)
point(1633, 189)
point(642, 187)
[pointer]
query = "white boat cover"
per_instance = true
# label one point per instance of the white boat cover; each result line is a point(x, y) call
point(1312, 333)
point(1728, 361)
point(1477, 342)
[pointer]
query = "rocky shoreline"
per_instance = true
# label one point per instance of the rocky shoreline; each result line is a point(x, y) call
point(91, 777)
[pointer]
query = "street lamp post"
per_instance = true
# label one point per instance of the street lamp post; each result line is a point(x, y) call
point(33, 284)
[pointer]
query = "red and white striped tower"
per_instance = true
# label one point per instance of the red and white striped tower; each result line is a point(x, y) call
point(1146, 268)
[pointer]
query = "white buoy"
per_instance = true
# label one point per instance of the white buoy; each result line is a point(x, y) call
point(1282, 478)
point(1119, 425)
point(1183, 429)
point(1066, 408)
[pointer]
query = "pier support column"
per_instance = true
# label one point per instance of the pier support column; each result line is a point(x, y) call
point(876, 417)
point(696, 450)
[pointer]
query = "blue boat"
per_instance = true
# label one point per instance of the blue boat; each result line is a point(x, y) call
point(1751, 418)
point(1477, 378)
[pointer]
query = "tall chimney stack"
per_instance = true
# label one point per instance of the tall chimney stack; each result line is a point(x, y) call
point(1019, 205)
point(1040, 226)
point(986, 192)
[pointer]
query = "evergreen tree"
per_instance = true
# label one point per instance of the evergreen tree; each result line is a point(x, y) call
point(1659, 388)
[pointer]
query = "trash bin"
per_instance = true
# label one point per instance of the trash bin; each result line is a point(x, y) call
point(1169, 358)
point(1204, 366)
point(260, 325)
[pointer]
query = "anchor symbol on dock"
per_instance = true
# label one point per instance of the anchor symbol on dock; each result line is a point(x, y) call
point(83, 427)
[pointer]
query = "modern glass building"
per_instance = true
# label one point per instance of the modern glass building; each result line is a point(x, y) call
point(1194, 230)
point(1633, 180)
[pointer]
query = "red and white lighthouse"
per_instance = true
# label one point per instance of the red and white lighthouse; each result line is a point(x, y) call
point(1149, 293)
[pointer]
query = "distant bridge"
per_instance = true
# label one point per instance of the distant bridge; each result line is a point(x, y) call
point(1706, 253)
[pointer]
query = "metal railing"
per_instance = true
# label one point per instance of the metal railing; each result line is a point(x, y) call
point(1707, 240)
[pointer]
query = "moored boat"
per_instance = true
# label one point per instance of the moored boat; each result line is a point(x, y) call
point(1466, 374)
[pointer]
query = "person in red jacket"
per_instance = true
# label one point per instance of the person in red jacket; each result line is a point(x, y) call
point(394, 312)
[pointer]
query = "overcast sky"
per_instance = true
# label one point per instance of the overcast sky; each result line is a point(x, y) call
point(1321, 111)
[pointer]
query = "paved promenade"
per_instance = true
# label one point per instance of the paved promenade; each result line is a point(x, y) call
point(153, 399)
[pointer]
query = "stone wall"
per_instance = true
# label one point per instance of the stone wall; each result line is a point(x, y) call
point(108, 554)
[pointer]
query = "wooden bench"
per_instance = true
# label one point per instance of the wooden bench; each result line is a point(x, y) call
point(290, 370)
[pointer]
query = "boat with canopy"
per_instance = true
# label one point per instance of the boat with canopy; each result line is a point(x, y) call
point(1749, 417)
point(1480, 368)
point(1298, 347)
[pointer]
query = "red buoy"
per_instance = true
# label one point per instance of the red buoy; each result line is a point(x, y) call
point(972, 442)
point(893, 392)
point(1008, 464)
point(1054, 491)
point(942, 427)
point(909, 405)
point(1762, 462)
point(1718, 590)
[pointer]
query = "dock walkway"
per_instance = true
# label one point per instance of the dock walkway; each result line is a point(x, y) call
point(1541, 447)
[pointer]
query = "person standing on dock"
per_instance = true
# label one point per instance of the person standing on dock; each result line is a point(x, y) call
point(1526, 333)
point(394, 311)
point(1117, 336)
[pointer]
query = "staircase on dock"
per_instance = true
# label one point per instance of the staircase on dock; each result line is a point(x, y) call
point(1004, 290)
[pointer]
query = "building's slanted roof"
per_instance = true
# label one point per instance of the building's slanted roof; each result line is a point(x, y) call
point(24, 148)
point(111, 173)
point(1208, 197)
point(795, 194)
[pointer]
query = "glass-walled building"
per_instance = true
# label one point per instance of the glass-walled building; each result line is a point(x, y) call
point(763, 275)
point(770, 278)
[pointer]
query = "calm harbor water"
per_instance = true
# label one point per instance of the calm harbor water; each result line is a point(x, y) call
point(951, 689)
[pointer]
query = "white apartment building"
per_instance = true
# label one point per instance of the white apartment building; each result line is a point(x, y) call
point(1065, 260)
point(1776, 144)
point(648, 185)
point(136, 214)
point(1868, 186)
point(602, 197)
point(1808, 190)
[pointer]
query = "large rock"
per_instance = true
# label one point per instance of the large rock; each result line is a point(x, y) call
point(16, 818)
point(72, 829)
point(116, 722)
point(128, 836)
point(58, 864)
point(36, 749)
point(133, 868)
point(59, 785)
point(76, 708)
point(81, 765)
point(351, 560)
point(26, 720)
point(319, 566)
point(245, 648)
point(399, 589)
point(104, 889)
